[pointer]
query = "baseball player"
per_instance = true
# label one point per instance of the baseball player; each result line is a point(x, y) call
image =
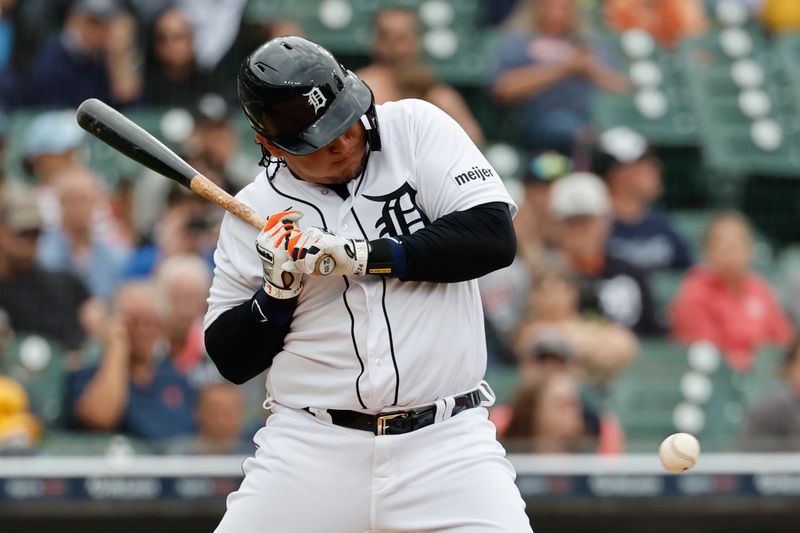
point(360, 298)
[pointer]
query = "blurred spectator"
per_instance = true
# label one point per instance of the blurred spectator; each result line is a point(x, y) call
point(135, 389)
point(75, 245)
point(536, 229)
point(212, 148)
point(640, 235)
point(49, 303)
point(50, 145)
point(220, 420)
point(398, 72)
point(601, 349)
point(547, 417)
point(609, 286)
point(780, 16)
point(94, 56)
point(172, 77)
point(4, 125)
point(216, 24)
point(666, 20)
point(723, 301)
point(504, 292)
point(497, 11)
point(187, 225)
point(182, 284)
point(7, 8)
point(552, 72)
point(773, 424)
point(19, 429)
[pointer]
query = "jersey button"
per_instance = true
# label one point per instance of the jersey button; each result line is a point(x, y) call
point(344, 227)
point(324, 191)
point(377, 362)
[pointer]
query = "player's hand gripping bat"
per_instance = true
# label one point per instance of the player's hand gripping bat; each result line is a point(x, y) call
point(125, 136)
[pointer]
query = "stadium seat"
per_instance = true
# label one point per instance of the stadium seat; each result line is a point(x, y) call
point(733, 149)
point(765, 372)
point(37, 364)
point(504, 381)
point(644, 396)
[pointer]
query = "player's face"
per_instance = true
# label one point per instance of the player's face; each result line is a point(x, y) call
point(339, 162)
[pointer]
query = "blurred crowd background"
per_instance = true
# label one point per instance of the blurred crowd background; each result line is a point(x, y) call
point(653, 147)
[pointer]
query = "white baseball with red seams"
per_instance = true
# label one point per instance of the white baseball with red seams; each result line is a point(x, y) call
point(679, 452)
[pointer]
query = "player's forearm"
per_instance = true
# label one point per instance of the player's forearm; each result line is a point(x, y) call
point(245, 339)
point(457, 247)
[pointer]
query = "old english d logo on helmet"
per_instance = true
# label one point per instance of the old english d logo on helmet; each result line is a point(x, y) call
point(295, 94)
point(316, 99)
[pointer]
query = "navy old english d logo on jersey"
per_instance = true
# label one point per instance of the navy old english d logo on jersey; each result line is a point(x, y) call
point(400, 213)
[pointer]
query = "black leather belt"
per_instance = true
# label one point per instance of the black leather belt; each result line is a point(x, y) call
point(399, 422)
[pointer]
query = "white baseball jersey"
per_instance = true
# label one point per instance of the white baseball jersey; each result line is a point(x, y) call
point(370, 342)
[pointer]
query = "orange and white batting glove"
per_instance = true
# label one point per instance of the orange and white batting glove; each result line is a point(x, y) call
point(281, 279)
point(318, 252)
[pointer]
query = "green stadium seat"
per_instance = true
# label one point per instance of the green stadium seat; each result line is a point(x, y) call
point(676, 127)
point(765, 372)
point(729, 152)
point(665, 286)
point(646, 393)
point(37, 364)
point(504, 382)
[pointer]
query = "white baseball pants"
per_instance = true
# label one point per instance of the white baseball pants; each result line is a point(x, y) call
point(309, 476)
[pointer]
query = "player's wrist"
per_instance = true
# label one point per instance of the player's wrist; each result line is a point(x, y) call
point(265, 308)
point(387, 257)
point(360, 250)
point(283, 293)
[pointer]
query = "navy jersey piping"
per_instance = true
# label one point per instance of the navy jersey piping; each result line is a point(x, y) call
point(353, 337)
point(344, 295)
point(386, 318)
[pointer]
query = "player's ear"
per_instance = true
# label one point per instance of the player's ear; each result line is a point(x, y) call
point(270, 147)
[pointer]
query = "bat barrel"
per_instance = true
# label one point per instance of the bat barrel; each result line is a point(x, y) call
point(119, 132)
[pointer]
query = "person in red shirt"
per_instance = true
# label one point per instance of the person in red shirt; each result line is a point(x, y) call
point(725, 302)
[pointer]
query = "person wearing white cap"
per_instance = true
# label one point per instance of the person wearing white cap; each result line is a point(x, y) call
point(609, 286)
point(640, 235)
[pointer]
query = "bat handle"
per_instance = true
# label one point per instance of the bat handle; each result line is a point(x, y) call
point(203, 186)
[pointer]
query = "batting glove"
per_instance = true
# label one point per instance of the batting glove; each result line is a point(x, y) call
point(318, 252)
point(281, 279)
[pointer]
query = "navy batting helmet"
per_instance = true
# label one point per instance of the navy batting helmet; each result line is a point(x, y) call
point(296, 95)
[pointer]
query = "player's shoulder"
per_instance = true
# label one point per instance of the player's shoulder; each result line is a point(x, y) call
point(410, 117)
point(407, 109)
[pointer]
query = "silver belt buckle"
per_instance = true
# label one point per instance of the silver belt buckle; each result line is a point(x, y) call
point(383, 419)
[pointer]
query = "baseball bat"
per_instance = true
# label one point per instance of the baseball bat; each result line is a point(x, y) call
point(125, 136)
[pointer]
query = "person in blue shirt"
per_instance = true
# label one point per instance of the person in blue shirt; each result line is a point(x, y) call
point(135, 389)
point(640, 234)
point(94, 56)
point(552, 74)
point(78, 244)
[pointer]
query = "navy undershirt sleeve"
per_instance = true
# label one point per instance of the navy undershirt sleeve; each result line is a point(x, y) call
point(459, 246)
point(245, 339)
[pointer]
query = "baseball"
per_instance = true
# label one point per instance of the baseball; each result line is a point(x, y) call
point(679, 452)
